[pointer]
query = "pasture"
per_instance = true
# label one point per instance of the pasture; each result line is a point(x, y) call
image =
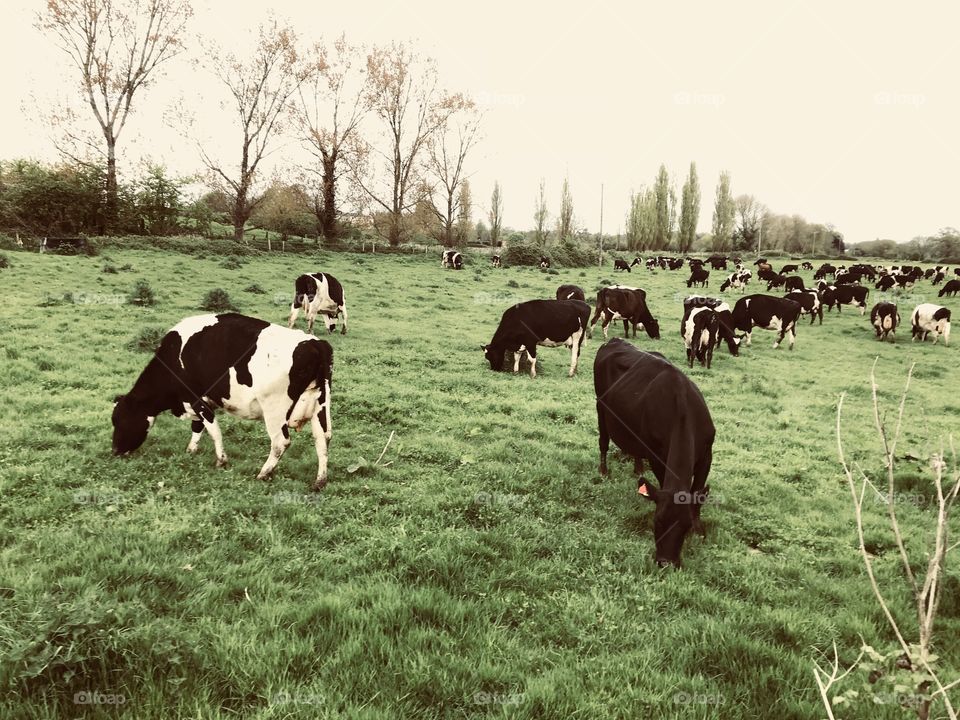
point(482, 568)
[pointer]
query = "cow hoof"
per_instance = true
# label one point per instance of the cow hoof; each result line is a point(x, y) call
point(319, 484)
point(192, 449)
point(222, 461)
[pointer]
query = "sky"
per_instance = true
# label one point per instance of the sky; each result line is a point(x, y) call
point(845, 113)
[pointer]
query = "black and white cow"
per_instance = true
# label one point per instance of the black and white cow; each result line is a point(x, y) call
point(619, 264)
point(319, 294)
point(250, 368)
point(571, 292)
point(451, 259)
point(806, 265)
point(839, 295)
point(809, 300)
point(788, 269)
point(699, 276)
point(884, 318)
point(550, 323)
point(699, 329)
point(725, 330)
point(544, 262)
point(655, 413)
point(769, 313)
point(885, 283)
point(929, 318)
point(793, 282)
point(952, 287)
point(824, 270)
point(622, 302)
point(737, 280)
point(938, 277)
point(495, 261)
point(773, 281)
point(636, 261)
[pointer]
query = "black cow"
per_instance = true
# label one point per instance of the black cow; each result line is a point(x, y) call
point(571, 292)
point(760, 261)
point(621, 302)
point(619, 264)
point(451, 259)
point(544, 262)
point(699, 276)
point(538, 322)
point(717, 262)
point(938, 277)
point(319, 294)
point(773, 281)
point(769, 313)
point(674, 263)
point(794, 282)
point(824, 270)
point(766, 274)
point(495, 261)
point(839, 295)
point(952, 287)
point(248, 367)
point(788, 269)
point(809, 300)
point(655, 413)
point(884, 318)
point(885, 283)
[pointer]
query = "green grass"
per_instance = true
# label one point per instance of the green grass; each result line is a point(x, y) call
point(483, 569)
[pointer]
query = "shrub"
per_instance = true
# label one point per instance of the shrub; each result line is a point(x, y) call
point(217, 300)
point(522, 253)
point(4, 261)
point(148, 339)
point(573, 254)
point(231, 262)
point(255, 289)
point(126, 267)
point(109, 270)
point(142, 294)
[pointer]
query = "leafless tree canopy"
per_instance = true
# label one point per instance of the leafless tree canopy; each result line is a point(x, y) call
point(447, 150)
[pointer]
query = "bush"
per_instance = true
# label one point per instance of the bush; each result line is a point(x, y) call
point(255, 289)
point(573, 254)
point(126, 267)
point(231, 262)
point(217, 301)
point(4, 261)
point(148, 340)
point(109, 270)
point(522, 253)
point(142, 294)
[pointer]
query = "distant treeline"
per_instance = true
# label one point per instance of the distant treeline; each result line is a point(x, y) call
point(942, 247)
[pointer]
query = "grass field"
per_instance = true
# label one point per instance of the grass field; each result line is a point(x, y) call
point(482, 569)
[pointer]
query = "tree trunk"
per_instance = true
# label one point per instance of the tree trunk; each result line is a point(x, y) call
point(240, 214)
point(328, 213)
point(110, 210)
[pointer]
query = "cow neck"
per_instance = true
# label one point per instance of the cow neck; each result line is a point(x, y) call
point(153, 390)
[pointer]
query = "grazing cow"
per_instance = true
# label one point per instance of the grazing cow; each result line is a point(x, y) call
point(621, 302)
point(674, 263)
point(929, 318)
point(571, 292)
point(769, 313)
point(737, 281)
point(885, 283)
point(538, 322)
point(809, 300)
point(951, 288)
point(636, 261)
point(619, 264)
point(655, 413)
point(248, 367)
point(451, 259)
point(789, 269)
point(319, 293)
point(884, 318)
point(806, 265)
point(699, 329)
point(495, 261)
point(794, 282)
point(774, 281)
point(938, 278)
point(956, 271)
point(760, 261)
point(839, 295)
point(717, 262)
point(652, 264)
point(766, 274)
point(694, 263)
point(725, 329)
point(544, 262)
point(699, 276)
point(824, 270)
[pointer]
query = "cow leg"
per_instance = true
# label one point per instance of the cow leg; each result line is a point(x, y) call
point(532, 357)
point(820, 313)
point(311, 316)
point(343, 309)
point(294, 311)
point(197, 427)
point(748, 335)
point(329, 322)
point(604, 439)
point(626, 328)
point(320, 441)
point(863, 309)
point(516, 360)
point(210, 425)
point(276, 423)
point(575, 351)
point(699, 489)
point(793, 335)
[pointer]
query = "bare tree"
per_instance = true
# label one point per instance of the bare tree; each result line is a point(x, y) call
point(496, 214)
point(448, 149)
point(405, 98)
point(116, 45)
point(565, 221)
point(540, 216)
point(260, 84)
point(749, 213)
point(330, 106)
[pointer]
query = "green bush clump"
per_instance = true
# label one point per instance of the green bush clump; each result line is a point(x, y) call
point(109, 270)
point(142, 294)
point(148, 339)
point(217, 300)
point(522, 253)
point(231, 262)
point(255, 289)
point(4, 261)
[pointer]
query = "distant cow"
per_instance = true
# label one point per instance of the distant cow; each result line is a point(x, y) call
point(952, 287)
point(621, 302)
point(929, 318)
point(571, 292)
point(674, 263)
point(495, 261)
point(699, 329)
point(451, 259)
point(884, 318)
point(737, 280)
point(788, 269)
point(809, 300)
point(806, 265)
point(319, 293)
point(885, 283)
point(773, 281)
point(636, 261)
point(938, 277)
point(699, 276)
point(839, 295)
point(246, 366)
point(544, 262)
point(717, 262)
point(769, 313)
point(619, 264)
point(654, 413)
point(824, 270)
point(794, 282)
point(550, 323)
point(725, 329)
point(760, 261)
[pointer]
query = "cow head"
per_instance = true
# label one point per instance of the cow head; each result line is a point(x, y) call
point(653, 328)
point(495, 356)
point(130, 425)
point(676, 514)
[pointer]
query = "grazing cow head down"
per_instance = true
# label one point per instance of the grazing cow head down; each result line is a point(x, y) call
point(495, 358)
point(130, 425)
point(672, 520)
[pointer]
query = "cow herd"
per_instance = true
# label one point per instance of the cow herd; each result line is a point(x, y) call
point(650, 409)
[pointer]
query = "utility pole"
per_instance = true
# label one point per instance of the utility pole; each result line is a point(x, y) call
point(600, 239)
point(759, 235)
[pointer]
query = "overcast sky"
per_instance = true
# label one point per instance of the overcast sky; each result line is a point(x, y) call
point(844, 115)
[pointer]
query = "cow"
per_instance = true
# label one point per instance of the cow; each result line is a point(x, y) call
point(929, 318)
point(674, 263)
point(809, 300)
point(319, 293)
point(773, 281)
point(736, 280)
point(451, 259)
point(794, 282)
point(655, 413)
point(636, 261)
point(250, 368)
point(544, 262)
point(789, 269)
point(694, 263)
point(769, 313)
point(621, 302)
point(952, 287)
point(806, 265)
point(619, 264)
point(766, 274)
point(938, 277)
point(699, 276)
point(760, 261)
point(956, 271)
point(824, 270)
point(699, 329)
point(717, 262)
point(725, 329)
point(884, 318)
point(885, 283)
point(839, 295)
point(764, 268)
point(538, 322)
point(571, 292)
point(495, 261)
